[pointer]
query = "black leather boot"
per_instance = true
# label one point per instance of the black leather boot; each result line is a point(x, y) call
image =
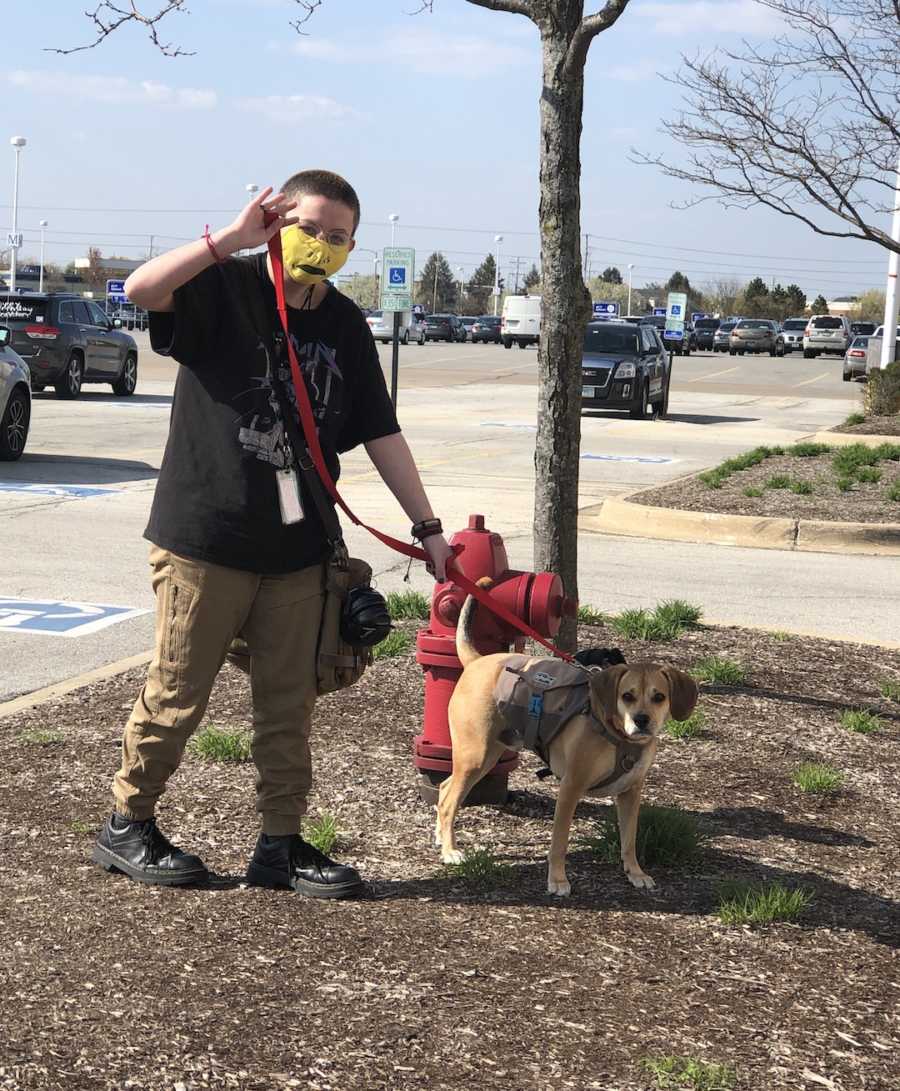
point(141, 852)
point(293, 863)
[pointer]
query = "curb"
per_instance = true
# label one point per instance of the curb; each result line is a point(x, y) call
point(618, 516)
point(845, 439)
point(60, 689)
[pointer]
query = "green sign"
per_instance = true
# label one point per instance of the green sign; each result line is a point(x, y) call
point(398, 274)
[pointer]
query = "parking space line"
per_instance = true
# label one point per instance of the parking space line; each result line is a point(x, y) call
point(806, 382)
point(712, 375)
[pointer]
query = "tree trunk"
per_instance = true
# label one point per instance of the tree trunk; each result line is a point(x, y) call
point(566, 307)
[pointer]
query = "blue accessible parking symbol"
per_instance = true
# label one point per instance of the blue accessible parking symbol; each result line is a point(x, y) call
point(397, 274)
point(53, 618)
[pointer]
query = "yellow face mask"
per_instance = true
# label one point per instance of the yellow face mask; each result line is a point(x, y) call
point(308, 260)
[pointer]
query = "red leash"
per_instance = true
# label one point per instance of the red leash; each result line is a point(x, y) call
point(311, 435)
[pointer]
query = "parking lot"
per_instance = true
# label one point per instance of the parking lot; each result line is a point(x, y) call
point(73, 510)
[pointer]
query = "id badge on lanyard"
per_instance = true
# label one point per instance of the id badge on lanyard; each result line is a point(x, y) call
point(289, 495)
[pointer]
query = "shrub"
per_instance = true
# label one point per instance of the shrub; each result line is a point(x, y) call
point(749, 903)
point(869, 475)
point(395, 643)
point(855, 418)
point(322, 832)
point(808, 450)
point(882, 396)
point(480, 868)
point(691, 728)
point(848, 461)
point(665, 836)
point(860, 721)
point(216, 744)
point(720, 671)
point(675, 1073)
point(802, 488)
point(408, 606)
point(812, 776)
point(778, 481)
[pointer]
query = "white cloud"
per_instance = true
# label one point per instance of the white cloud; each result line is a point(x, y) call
point(422, 50)
point(111, 89)
point(295, 109)
point(639, 72)
point(698, 18)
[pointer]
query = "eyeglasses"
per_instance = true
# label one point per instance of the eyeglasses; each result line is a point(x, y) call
point(333, 238)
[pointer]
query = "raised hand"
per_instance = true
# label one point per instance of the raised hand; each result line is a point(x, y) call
point(254, 225)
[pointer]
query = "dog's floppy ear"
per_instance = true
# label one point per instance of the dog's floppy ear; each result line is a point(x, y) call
point(605, 687)
point(683, 693)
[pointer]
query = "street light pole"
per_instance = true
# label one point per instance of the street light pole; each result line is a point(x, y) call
point(252, 189)
point(630, 271)
point(889, 341)
point(393, 218)
point(498, 239)
point(460, 270)
point(18, 142)
point(42, 225)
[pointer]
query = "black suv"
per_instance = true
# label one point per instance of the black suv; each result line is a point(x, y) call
point(66, 341)
point(487, 328)
point(705, 332)
point(444, 327)
point(625, 366)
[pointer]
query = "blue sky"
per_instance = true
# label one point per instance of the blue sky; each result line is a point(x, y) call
point(434, 117)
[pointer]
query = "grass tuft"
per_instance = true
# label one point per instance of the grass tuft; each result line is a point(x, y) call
point(321, 832)
point(860, 721)
point(808, 450)
point(78, 825)
point(408, 606)
point(691, 728)
point(893, 493)
point(869, 475)
point(844, 484)
point(801, 488)
point(665, 836)
point(667, 621)
point(778, 481)
point(480, 868)
point(752, 903)
point(890, 688)
point(42, 737)
point(848, 461)
point(780, 635)
point(718, 670)
point(855, 418)
point(395, 643)
point(217, 744)
point(753, 490)
point(588, 615)
point(677, 1073)
point(815, 777)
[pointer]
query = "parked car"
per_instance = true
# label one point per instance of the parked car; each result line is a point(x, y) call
point(756, 335)
point(381, 323)
point(15, 400)
point(722, 335)
point(67, 341)
point(677, 345)
point(625, 366)
point(444, 327)
point(468, 321)
point(705, 331)
point(855, 359)
point(793, 330)
point(826, 333)
point(487, 328)
point(862, 329)
point(521, 321)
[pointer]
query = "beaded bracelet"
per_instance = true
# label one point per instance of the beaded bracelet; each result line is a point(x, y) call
point(212, 248)
point(426, 529)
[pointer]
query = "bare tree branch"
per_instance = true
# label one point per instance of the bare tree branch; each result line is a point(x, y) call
point(514, 7)
point(309, 8)
point(110, 15)
point(591, 26)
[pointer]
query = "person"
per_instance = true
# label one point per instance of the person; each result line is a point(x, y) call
point(237, 544)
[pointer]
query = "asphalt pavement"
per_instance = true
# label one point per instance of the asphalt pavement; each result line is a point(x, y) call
point(73, 510)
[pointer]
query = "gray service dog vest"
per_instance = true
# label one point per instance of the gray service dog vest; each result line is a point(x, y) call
point(538, 701)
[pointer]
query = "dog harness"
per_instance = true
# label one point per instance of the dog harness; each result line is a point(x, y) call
point(538, 701)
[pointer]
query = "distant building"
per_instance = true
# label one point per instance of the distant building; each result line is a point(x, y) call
point(843, 305)
point(111, 265)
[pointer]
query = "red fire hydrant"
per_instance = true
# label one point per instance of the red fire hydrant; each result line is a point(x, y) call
point(536, 598)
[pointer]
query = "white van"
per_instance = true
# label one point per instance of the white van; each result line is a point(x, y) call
point(521, 321)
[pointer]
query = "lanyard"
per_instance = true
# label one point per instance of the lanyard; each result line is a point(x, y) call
point(311, 435)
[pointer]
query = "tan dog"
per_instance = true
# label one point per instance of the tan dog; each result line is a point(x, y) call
point(629, 704)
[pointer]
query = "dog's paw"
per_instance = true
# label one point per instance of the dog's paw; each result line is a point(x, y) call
point(562, 888)
point(436, 840)
point(452, 856)
point(641, 880)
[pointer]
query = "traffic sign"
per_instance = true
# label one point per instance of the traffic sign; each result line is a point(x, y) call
point(659, 312)
point(398, 274)
point(606, 310)
point(676, 307)
point(14, 239)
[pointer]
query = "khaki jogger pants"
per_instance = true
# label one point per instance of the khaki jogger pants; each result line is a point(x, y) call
point(200, 608)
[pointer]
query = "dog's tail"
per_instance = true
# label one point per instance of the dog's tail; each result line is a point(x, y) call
point(465, 649)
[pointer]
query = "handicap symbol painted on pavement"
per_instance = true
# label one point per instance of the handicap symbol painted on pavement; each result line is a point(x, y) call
point(78, 492)
point(398, 274)
point(654, 460)
point(52, 618)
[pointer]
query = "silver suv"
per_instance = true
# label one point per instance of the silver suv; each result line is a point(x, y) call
point(793, 330)
point(826, 333)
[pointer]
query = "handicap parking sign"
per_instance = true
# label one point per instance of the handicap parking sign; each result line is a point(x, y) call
point(676, 310)
point(52, 618)
point(398, 275)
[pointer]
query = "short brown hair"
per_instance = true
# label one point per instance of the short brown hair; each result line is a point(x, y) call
point(323, 183)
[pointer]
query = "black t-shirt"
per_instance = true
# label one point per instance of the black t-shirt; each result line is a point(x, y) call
point(216, 498)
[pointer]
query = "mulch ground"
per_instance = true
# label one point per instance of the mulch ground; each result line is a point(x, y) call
point(426, 982)
point(873, 426)
point(863, 502)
